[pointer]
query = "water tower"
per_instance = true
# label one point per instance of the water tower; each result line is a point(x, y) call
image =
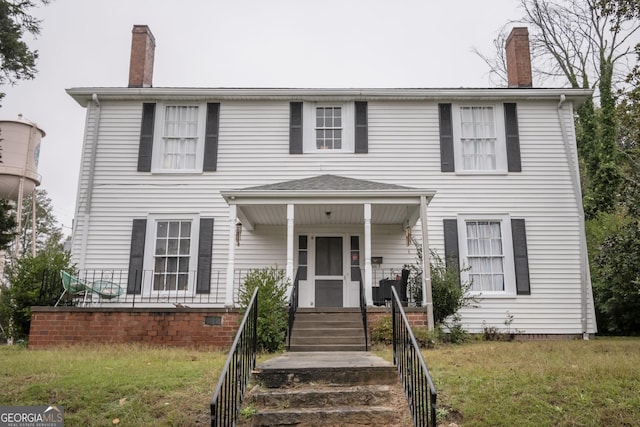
point(19, 153)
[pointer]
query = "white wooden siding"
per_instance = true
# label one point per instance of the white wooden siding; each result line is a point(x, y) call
point(403, 149)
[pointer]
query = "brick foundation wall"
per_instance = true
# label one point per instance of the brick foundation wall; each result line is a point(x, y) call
point(189, 327)
point(417, 316)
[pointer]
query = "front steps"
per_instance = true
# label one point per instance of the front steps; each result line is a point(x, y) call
point(325, 389)
point(327, 329)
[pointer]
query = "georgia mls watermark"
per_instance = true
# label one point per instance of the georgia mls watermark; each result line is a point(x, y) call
point(31, 416)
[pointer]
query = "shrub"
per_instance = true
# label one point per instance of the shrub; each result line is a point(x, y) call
point(272, 305)
point(33, 281)
point(382, 331)
point(448, 292)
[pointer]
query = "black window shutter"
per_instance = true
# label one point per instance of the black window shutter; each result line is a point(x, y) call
point(447, 163)
point(136, 256)
point(205, 241)
point(211, 137)
point(520, 255)
point(146, 137)
point(295, 128)
point(513, 137)
point(362, 130)
point(451, 251)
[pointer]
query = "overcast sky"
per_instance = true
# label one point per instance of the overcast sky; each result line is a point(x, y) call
point(243, 43)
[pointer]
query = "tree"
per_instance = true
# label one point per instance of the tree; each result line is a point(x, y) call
point(584, 43)
point(617, 290)
point(17, 61)
point(7, 224)
point(48, 232)
point(34, 280)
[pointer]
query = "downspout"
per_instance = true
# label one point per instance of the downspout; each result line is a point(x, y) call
point(90, 179)
point(585, 278)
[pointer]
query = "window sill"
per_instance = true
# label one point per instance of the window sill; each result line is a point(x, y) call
point(481, 173)
point(482, 295)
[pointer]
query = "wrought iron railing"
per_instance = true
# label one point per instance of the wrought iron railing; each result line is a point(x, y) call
point(363, 312)
point(293, 307)
point(138, 288)
point(417, 384)
point(228, 395)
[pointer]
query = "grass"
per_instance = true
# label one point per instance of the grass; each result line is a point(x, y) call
point(107, 385)
point(541, 383)
point(538, 383)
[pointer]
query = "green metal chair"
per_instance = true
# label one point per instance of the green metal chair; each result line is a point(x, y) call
point(72, 286)
point(106, 289)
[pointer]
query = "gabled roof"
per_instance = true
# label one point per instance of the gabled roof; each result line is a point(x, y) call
point(328, 183)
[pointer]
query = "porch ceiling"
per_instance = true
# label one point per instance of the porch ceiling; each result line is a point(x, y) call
point(327, 200)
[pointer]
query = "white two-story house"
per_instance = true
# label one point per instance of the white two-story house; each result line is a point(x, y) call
point(183, 190)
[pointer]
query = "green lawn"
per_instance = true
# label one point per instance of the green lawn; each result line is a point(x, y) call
point(537, 383)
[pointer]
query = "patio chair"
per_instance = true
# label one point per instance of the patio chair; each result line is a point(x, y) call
point(106, 289)
point(72, 286)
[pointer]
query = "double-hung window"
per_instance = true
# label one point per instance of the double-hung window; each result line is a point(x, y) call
point(172, 255)
point(485, 253)
point(486, 249)
point(478, 138)
point(330, 127)
point(479, 141)
point(179, 144)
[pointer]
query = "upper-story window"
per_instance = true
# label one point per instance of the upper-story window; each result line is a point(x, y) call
point(179, 145)
point(179, 137)
point(479, 141)
point(329, 128)
point(479, 138)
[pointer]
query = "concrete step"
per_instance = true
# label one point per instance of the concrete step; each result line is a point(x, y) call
point(330, 366)
point(313, 397)
point(337, 416)
point(324, 340)
point(326, 323)
point(326, 347)
point(328, 332)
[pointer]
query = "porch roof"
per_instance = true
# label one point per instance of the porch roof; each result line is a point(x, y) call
point(327, 200)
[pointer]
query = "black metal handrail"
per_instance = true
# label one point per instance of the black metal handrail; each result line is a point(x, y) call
point(227, 398)
point(417, 384)
point(293, 307)
point(363, 312)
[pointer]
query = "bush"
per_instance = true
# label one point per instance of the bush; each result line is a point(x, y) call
point(382, 331)
point(448, 293)
point(33, 281)
point(272, 306)
point(617, 282)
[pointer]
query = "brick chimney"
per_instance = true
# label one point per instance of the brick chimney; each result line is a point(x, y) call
point(518, 58)
point(143, 46)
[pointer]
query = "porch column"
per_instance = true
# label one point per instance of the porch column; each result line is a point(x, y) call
point(368, 273)
point(290, 246)
point(427, 297)
point(233, 213)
